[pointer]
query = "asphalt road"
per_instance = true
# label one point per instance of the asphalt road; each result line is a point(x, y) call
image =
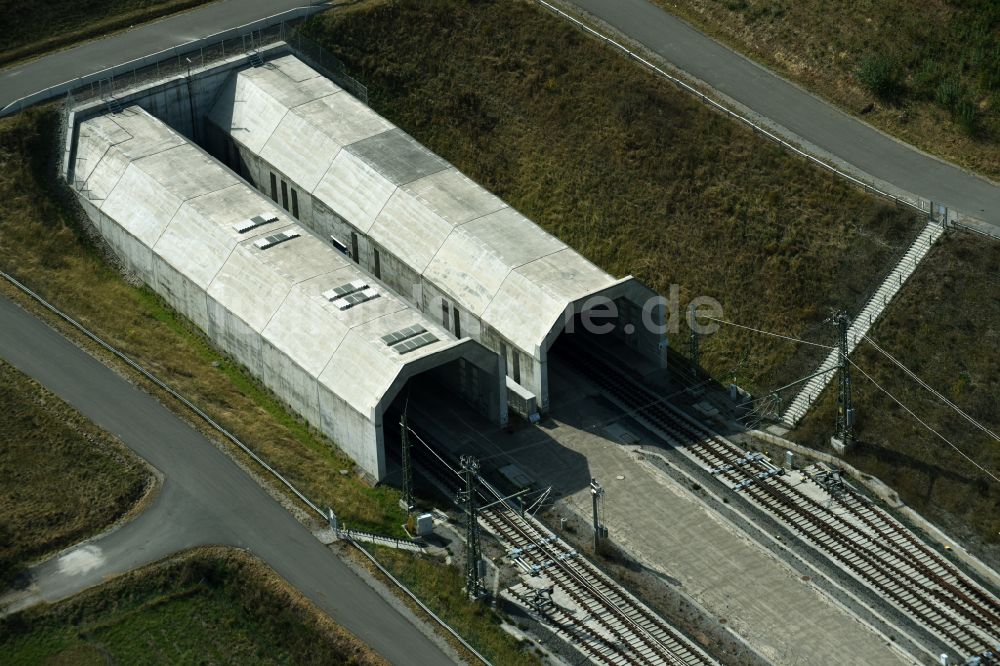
point(799, 112)
point(802, 115)
point(90, 57)
point(205, 499)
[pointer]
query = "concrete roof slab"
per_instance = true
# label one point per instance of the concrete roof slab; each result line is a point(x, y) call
point(293, 68)
point(284, 87)
point(522, 312)
point(143, 139)
point(250, 293)
point(186, 171)
point(237, 203)
point(513, 237)
point(95, 137)
point(397, 156)
point(305, 330)
point(454, 196)
point(566, 275)
point(386, 303)
point(298, 259)
point(193, 246)
point(343, 118)
point(141, 205)
point(354, 190)
point(410, 230)
point(247, 112)
point(201, 236)
point(471, 275)
point(90, 150)
point(106, 174)
point(105, 128)
point(284, 151)
point(364, 367)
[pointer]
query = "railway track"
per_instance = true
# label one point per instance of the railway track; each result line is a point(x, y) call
point(608, 624)
point(858, 536)
point(601, 619)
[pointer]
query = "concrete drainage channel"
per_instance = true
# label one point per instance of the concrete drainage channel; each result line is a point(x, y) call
point(344, 535)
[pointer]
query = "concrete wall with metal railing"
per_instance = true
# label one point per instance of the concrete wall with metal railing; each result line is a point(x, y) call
point(910, 200)
point(157, 65)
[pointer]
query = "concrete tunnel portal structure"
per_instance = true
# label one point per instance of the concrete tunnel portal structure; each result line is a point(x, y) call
point(335, 344)
point(360, 261)
point(454, 250)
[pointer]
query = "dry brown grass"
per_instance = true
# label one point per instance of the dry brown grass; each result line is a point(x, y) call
point(62, 479)
point(616, 162)
point(944, 326)
point(943, 53)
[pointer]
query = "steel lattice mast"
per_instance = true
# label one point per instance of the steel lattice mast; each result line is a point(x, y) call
point(473, 554)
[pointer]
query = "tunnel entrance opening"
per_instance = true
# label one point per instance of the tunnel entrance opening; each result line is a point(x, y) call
point(587, 343)
point(445, 406)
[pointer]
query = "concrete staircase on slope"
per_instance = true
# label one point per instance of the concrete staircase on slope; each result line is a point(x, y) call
point(864, 320)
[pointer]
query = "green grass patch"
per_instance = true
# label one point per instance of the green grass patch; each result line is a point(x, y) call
point(631, 172)
point(945, 326)
point(64, 479)
point(442, 589)
point(208, 607)
point(33, 28)
point(932, 67)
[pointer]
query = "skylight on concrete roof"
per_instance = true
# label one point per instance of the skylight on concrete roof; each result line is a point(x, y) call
point(356, 298)
point(254, 222)
point(275, 239)
point(344, 290)
point(422, 340)
point(403, 334)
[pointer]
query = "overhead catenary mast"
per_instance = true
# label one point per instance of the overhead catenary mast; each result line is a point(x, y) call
point(473, 552)
point(844, 436)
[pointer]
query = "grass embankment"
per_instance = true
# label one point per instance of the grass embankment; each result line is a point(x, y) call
point(210, 606)
point(41, 242)
point(927, 72)
point(619, 164)
point(945, 327)
point(63, 478)
point(33, 28)
point(445, 595)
